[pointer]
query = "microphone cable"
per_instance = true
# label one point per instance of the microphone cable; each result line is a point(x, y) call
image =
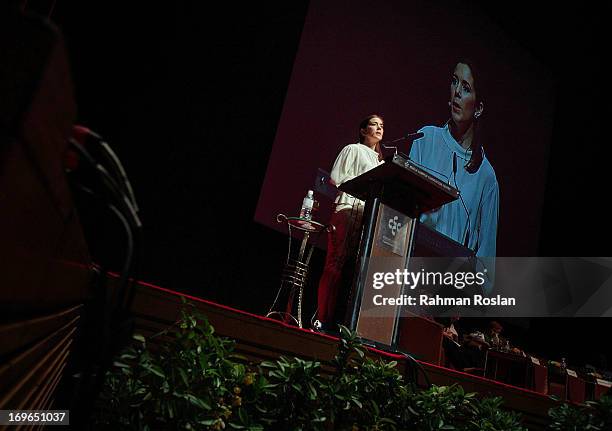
point(466, 235)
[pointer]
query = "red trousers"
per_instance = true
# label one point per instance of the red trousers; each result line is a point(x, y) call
point(342, 247)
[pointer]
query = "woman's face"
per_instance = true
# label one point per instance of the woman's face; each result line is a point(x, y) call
point(373, 132)
point(464, 108)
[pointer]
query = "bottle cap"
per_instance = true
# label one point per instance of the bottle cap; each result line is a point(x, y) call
point(310, 193)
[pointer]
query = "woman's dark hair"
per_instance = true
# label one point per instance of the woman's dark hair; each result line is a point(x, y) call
point(479, 88)
point(364, 125)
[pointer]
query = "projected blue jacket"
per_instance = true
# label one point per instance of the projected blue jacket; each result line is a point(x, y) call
point(479, 190)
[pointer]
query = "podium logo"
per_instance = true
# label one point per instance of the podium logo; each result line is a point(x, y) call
point(394, 225)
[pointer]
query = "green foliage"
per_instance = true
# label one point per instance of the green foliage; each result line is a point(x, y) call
point(191, 379)
point(592, 415)
point(488, 416)
point(442, 408)
point(292, 398)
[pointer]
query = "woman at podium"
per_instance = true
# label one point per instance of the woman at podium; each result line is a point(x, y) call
point(353, 160)
point(455, 153)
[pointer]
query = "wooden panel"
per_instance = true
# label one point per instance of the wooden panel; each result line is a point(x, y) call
point(602, 387)
point(16, 335)
point(42, 384)
point(22, 375)
point(576, 389)
point(377, 322)
point(422, 338)
point(251, 332)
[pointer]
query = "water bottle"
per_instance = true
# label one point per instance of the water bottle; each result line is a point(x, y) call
point(307, 204)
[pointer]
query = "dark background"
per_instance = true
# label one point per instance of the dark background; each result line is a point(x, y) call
point(190, 96)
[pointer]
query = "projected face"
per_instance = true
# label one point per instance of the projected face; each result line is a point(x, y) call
point(464, 107)
point(373, 132)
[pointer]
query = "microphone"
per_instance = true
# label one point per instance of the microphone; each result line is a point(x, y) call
point(455, 164)
point(406, 137)
point(413, 136)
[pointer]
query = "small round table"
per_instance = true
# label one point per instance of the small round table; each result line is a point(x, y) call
point(295, 271)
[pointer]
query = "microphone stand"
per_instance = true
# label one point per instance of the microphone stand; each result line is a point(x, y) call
point(408, 136)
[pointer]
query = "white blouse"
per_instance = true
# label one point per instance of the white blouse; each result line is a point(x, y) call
point(353, 160)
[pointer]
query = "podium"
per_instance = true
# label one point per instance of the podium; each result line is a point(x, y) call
point(396, 194)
